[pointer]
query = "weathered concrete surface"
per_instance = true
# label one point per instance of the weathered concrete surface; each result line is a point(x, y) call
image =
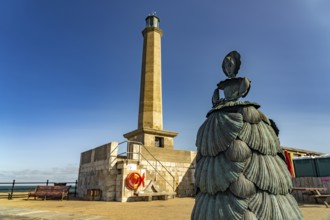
point(10, 213)
point(179, 209)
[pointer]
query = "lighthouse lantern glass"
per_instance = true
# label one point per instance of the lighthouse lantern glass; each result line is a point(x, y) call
point(152, 22)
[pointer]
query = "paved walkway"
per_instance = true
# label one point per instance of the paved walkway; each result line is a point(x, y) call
point(178, 209)
point(10, 213)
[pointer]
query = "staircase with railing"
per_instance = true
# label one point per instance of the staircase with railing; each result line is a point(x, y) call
point(134, 152)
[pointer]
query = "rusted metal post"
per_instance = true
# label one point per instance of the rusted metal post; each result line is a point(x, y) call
point(75, 189)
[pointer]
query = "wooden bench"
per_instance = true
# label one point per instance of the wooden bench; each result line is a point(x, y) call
point(322, 198)
point(50, 191)
point(314, 192)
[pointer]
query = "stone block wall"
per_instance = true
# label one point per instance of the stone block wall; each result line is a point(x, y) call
point(182, 176)
point(98, 171)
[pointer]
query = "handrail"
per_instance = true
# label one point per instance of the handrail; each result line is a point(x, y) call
point(161, 165)
point(157, 161)
point(172, 186)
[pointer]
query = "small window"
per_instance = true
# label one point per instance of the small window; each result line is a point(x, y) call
point(159, 142)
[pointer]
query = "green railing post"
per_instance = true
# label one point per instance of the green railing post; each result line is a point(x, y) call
point(10, 195)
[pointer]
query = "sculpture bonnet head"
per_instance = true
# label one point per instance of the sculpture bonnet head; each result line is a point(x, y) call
point(233, 87)
point(231, 64)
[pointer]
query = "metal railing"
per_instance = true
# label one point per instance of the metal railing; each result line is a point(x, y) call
point(140, 155)
point(15, 189)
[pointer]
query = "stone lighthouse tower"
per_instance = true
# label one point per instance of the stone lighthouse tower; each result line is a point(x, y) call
point(152, 167)
point(150, 122)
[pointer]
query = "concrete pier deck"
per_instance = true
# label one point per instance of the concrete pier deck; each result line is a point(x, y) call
point(178, 208)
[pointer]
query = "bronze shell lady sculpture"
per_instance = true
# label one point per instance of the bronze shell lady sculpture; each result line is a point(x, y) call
point(240, 173)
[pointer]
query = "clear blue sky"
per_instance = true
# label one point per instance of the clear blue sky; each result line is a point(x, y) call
point(70, 73)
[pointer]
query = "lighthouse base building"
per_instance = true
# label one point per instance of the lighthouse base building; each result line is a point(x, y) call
point(105, 175)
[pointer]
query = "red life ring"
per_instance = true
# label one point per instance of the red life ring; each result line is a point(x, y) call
point(134, 180)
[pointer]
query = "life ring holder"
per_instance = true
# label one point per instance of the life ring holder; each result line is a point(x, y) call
point(134, 180)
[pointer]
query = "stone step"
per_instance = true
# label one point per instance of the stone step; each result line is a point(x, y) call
point(162, 195)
